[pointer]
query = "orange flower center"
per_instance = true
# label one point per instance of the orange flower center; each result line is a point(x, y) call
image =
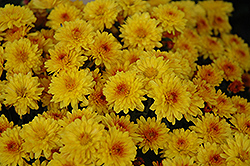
point(117, 149)
point(181, 143)
point(150, 72)
point(213, 128)
point(150, 135)
point(12, 146)
point(171, 97)
point(215, 159)
point(122, 89)
point(141, 32)
point(70, 84)
point(84, 138)
point(65, 17)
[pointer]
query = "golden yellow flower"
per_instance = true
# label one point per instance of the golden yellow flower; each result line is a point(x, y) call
point(212, 129)
point(55, 113)
point(105, 49)
point(237, 150)
point(170, 17)
point(181, 143)
point(211, 74)
point(82, 139)
point(203, 26)
point(63, 58)
point(22, 56)
point(12, 151)
point(76, 34)
point(220, 23)
point(140, 31)
point(231, 39)
point(232, 70)
point(124, 91)
point(15, 16)
point(171, 98)
point(241, 123)
point(70, 87)
point(117, 149)
point(22, 91)
point(45, 4)
point(4, 124)
point(241, 104)
point(61, 13)
point(210, 154)
point(41, 136)
point(179, 161)
point(15, 33)
point(130, 7)
point(224, 106)
point(123, 124)
point(101, 14)
point(153, 132)
point(131, 55)
point(62, 160)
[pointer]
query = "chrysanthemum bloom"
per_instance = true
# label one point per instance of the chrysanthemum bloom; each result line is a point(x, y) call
point(179, 161)
point(241, 54)
point(101, 14)
point(55, 114)
point(140, 31)
point(211, 129)
point(124, 91)
point(15, 16)
point(171, 98)
point(181, 143)
point(231, 39)
point(132, 55)
point(220, 23)
point(71, 87)
point(232, 70)
point(153, 132)
point(196, 102)
point(15, 33)
point(4, 124)
point(62, 160)
point(224, 106)
point(82, 140)
point(170, 17)
point(117, 149)
point(210, 154)
point(211, 74)
point(22, 56)
point(236, 86)
point(22, 91)
point(241, 104)
point(203, 26)
point(97, 100)
point(206, 91)
point(63, 58)
point(212, 47)
point(45, 4)
point(123, 124)
point(76, 34)
point(105, 49)
point(11, 145)
point(61, 13)
point(150, 68)
point(130, 7)
point(237, 150)
point(241, 123)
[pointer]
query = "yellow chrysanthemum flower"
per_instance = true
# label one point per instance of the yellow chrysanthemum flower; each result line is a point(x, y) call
point(241, 104)
point(210, 154)
point(123, 124)
point(63, 58)
point(22, 91)
point(131, 55)
point(22, 56)
point(45, 4)
point(202, 25)
point(82, 139)
point(15, 16)
point(219, 21)
point(101, 14)
point(61, 13)
point(241, 123)
point(4, 124)
point(62, 160)
point(105, 49)
point(179, 161)
point(118, 149)
point(41, 136)
point(124, 91)
point(153, 132)
point(211, 74)
point(231, 39)
point(76, 34)
point(15, 33)
point(212, 129)
point(181, 143)
point(71, 87)
point(130, 7)
point(237, 150)
point(170, 17)
point(140, 31)
point(11, 145)
point(171, 98)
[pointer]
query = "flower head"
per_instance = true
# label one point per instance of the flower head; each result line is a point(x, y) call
point(140, 31)
point(241, 123)
point(71, 87)
point(15, 16)
point(153, 133)
point(241, 104)
point(4, 124)
point(124, 91)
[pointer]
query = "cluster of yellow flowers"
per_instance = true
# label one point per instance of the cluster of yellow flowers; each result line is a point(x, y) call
point(116, 77)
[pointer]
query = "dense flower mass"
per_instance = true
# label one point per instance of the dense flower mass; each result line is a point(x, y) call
point(123, 82)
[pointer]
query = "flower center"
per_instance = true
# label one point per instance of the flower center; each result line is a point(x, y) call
point(150, 72)
point(12, 146)
point(181, 143)
point(171, 97)
point(150, 135)
point(117, 149)
point(141, 33)
point(84, 138)
point(70, 84)
point(122, 89)
point(65, 17)
point(216, 158)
